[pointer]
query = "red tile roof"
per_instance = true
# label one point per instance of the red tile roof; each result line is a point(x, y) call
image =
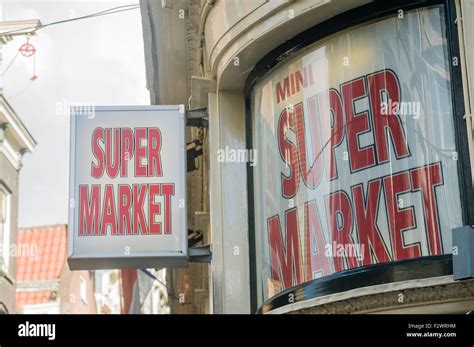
point(41, 257)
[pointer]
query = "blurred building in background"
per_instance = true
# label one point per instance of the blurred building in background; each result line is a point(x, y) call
point(44, 282)
point(144, 291)
point(15, 141)
point(46, 285)
point(107, 291)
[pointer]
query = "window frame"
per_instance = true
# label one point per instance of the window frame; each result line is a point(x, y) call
point(83, 289)
point(6, 227)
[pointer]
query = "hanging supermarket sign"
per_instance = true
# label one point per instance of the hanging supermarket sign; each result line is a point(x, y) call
point(127, 187)
point(359, 161)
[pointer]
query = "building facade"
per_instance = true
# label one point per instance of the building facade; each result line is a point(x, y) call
point(45, 285)
point(337, 158)
point(107, 291)
point(15, 140)
point(144, 291)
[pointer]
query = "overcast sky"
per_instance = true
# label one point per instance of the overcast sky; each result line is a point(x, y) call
point(97, 60)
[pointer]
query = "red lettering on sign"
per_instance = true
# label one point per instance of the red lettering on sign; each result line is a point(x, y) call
point(125, 203)
point(356, 125)
point(283, 91)
point(140, 152)
point(154, 148)
point(386, 83)
point(400, 217)
point(312, 175)
point(167, 192)
point(289, 154)
point(309, 137)
point(97, 136)
point(426, 179)
point(285, 253)
point(339, 212)
point(127, 150)
point(121, 145)
point(154, 208)
point(139, 224)
point(112, 152)
point(108, 213)
point(126, 215)
point(89, 210)
point(316, 259)
point(332, 124)
point(366, 209)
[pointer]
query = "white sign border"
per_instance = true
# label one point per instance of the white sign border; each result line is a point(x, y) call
point(92, 261)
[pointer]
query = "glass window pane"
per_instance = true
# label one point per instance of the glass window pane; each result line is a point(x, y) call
point(357, 157)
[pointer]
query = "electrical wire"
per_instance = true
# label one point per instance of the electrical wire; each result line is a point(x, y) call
point(13, 96)
point(10, 64)
point(97, 14)
point(32, 30)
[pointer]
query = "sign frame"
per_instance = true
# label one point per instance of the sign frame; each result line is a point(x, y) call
point(115, 260)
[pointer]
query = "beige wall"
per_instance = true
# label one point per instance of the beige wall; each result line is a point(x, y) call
point(69, 292)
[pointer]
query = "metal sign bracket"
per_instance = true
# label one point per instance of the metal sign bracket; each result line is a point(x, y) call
point(200, 254)
point(197, 118)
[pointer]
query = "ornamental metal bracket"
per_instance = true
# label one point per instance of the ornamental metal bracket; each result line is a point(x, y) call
point(200, 254)
point(197, 118)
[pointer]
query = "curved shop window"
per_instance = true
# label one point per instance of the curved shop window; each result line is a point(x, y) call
point(358, 163)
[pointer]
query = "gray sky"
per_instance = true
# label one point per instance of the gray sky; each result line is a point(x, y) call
point(98, 60)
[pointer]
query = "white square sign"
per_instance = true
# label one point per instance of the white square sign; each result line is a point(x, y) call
point(127, 187)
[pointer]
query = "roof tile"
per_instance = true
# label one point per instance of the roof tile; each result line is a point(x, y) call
point(41, 257)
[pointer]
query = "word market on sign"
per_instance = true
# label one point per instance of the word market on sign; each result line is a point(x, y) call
point(125, 209)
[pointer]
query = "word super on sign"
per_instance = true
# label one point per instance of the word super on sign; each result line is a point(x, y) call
point(128, 187)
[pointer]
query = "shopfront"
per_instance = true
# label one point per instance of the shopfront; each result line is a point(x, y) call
point(363, 151)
